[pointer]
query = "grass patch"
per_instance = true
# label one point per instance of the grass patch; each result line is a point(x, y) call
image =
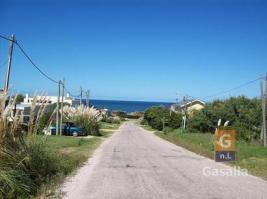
point(201, 144)
point(105, 125)
point(147, 127)
point(107, 129)
point(249, 156)
point(71, 153)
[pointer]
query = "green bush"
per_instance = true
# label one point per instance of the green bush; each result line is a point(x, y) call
point(200, 123)
point(156, 117)
point(243, 114)
point(88, 125)
point(112, 120)
point(143, 122)
point(175, 120)
point(120, 114)
point(167, 129)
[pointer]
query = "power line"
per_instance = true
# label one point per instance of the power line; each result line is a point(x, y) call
point(57, 82)
point(38, 68)
point(30, 60)
point(232, 89)
point(75, 96)
point(5, 38)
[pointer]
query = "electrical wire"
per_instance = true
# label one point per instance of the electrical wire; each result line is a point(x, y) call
point(36, 67)
point(31, 61)
point(232, 89)
point(75, 96)
point(59, 82)
point(5, 38)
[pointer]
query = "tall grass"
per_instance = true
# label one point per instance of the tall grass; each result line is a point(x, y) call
point(25, 163)
point(88, 118)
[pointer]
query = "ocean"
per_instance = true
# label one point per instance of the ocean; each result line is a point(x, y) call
point(126, 106)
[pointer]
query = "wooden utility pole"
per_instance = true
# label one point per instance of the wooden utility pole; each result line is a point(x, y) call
point(184, 111)
point(10, 54)
point(81, 96)
point(88, 98)
point(263, 98)
point(163, 123)
point(62, 104)
point(57, 115)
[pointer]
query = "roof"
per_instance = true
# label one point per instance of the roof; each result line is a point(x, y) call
point(192, 103)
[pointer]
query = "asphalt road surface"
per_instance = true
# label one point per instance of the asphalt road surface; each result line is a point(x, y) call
point(134, 163)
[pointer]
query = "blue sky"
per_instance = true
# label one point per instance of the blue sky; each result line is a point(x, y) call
point(138, 50)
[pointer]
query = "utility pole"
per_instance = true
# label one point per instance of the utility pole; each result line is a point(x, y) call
point(184, 111)
point(57, 116)
point(88, 98)
point(81, 96)
point(163, 123)
point(263, 98)
point(10, 54)
point(62, 104)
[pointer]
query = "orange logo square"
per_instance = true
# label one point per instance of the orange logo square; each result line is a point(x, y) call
point(225, 140)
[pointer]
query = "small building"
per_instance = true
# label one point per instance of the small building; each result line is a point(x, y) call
point(49, 100)
point(188, 106)
point(24, 108)
point(23, 111)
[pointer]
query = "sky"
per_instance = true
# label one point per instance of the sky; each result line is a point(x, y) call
point(137, 50)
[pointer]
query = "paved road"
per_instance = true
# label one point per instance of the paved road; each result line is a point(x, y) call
point(134, 163)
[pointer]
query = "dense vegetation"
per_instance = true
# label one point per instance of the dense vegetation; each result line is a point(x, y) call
point(160, 118)
point(243, 114)
point(29, 162)
point(25, 162)
point(88, 118)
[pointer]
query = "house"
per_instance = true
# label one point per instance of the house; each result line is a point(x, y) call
point(49, 100)
point(24, 109)
point(188, 106)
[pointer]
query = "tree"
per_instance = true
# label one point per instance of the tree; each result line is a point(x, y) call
point(156, 116)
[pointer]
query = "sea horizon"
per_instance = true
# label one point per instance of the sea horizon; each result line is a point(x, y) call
point(126, 105)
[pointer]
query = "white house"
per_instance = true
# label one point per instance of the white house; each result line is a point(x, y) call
point(49, 100)
point(24, 108)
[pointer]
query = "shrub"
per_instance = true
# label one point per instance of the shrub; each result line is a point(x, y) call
point(244, 115)
point(111, 119)
point(87, 118)
point(25, 163)
point(157, 116)
point(175, 120)
point(167, 129)
point(116, 120)
point(143, 122)
point(120, 114)
point(88, 125)
point(200, 123)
